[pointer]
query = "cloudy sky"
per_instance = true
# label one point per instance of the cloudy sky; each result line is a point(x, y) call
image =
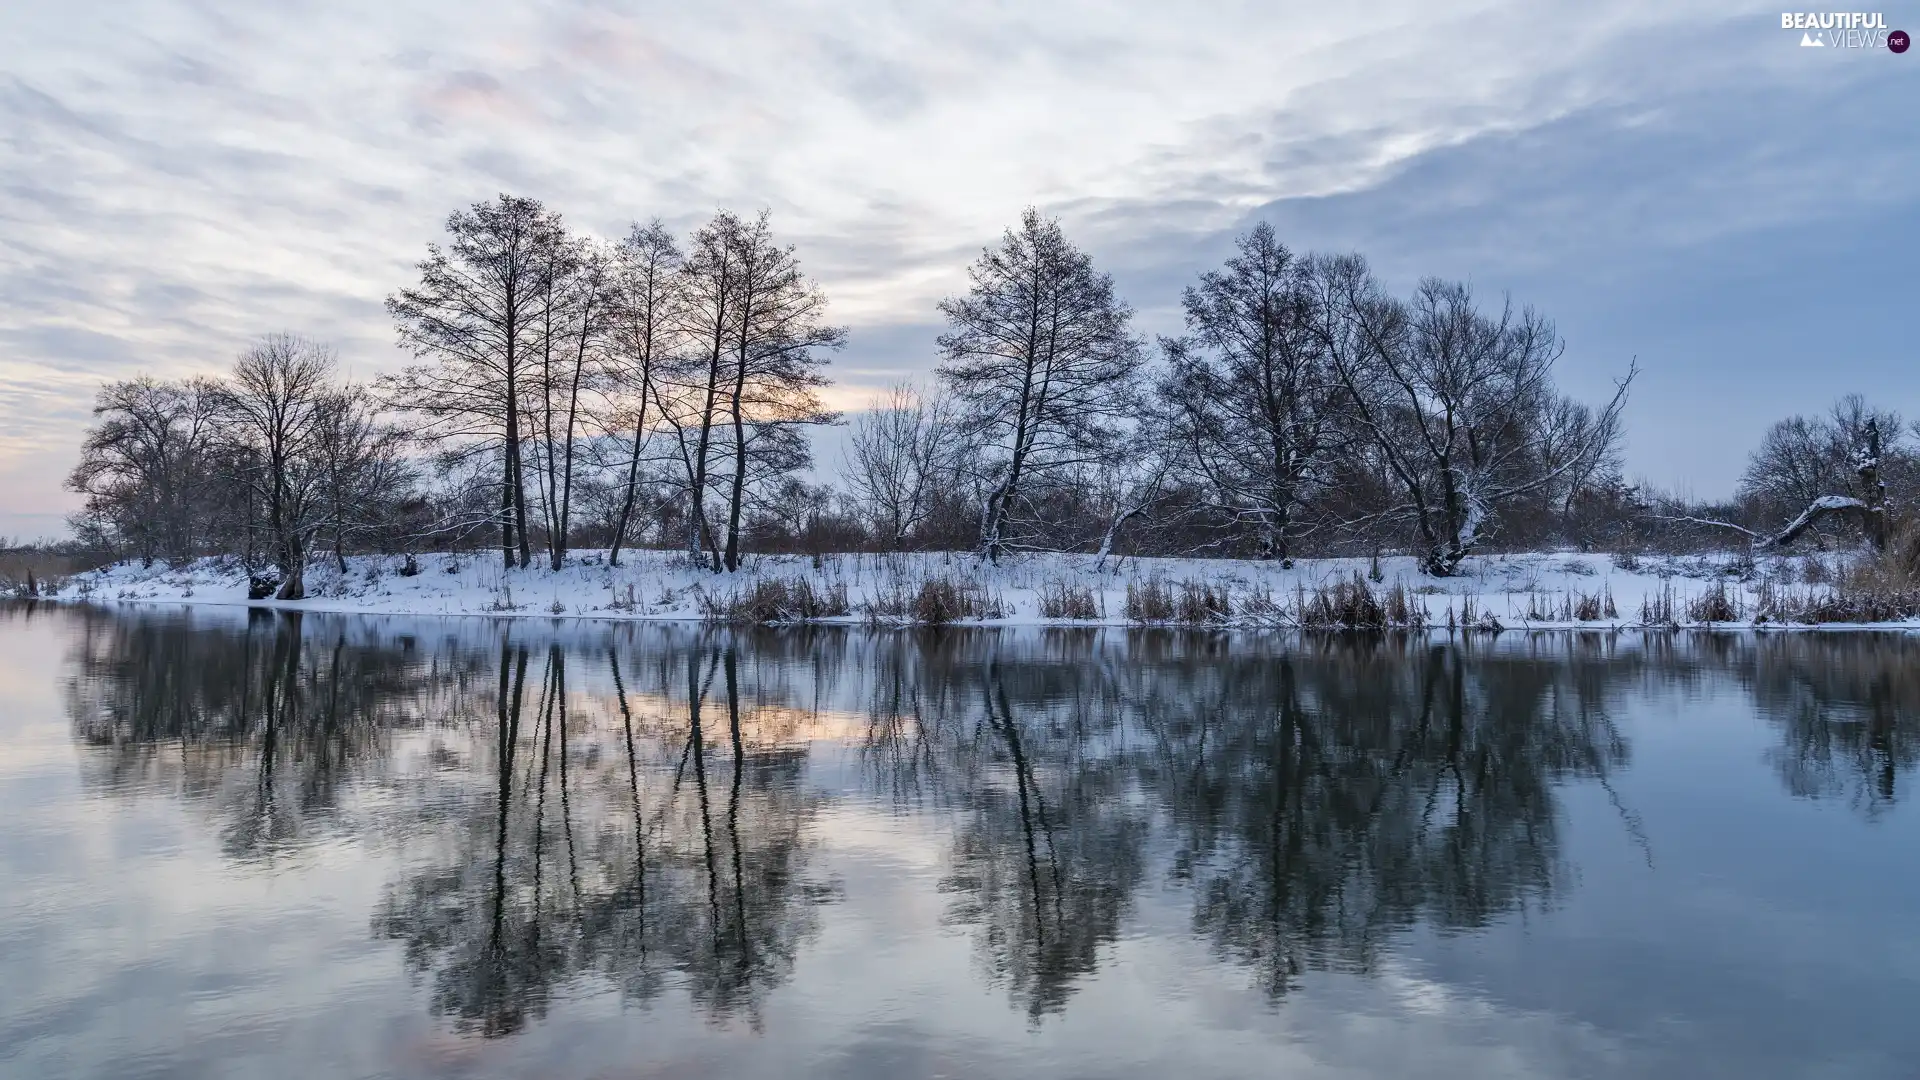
point(1676, 180)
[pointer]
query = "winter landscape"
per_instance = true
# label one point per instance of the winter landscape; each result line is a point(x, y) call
point(576, 400)
point(772, 539)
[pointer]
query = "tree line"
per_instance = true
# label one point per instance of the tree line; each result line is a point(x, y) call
point(656, 391)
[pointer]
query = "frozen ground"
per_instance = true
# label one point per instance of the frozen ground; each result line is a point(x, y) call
point(1536, 590)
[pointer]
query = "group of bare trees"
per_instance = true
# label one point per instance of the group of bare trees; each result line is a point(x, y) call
point(279, 456)
point(1839, 466)
point(675, 375)
point(1844, 478)
point(656, 390)
point(1303, 404)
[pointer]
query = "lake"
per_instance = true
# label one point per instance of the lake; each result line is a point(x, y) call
point(294, 846)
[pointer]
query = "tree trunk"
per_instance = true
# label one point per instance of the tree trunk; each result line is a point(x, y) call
point(1875, 510)
point(1824, 507)
point(520, 505)
point(506, 504)
point(549, 470)
point(703, 535)
point(510, 456)
point(1282, 544)
point(633, 484)
point(992, 519)
point(738, 492)
point(293, 581)
point(993, 530)
point(566, 476)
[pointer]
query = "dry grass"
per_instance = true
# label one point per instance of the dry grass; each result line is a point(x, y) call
point(1201, 604)
point(1716, 605)
point(1880, 588)
point(777, 600)
point(1572, 606)
point(1149, 601)
point(1343, 605)
point(936, 601)
point(1257, 606)
point(1355, 605)
point(1658, 609)
point(1060, 600)
point(1592, 607)
point(1471, 618)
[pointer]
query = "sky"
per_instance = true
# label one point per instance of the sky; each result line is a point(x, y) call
point(1680, 182)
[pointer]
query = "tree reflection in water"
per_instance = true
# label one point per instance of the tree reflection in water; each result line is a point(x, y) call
point(1848, 708)
point(1315, 799)
point(597, 854)
point(633, 805)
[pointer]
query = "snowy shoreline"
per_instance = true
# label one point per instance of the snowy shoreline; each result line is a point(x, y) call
point(1529, 591)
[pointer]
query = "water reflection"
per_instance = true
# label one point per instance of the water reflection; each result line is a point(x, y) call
point(1315, 800)
point(1847, 709)
point(640, 806)
point(267, 723)
point(593, 853)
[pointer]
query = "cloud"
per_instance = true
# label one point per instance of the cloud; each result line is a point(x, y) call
point(177, 179)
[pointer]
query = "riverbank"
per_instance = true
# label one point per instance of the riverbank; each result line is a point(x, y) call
point(1515, 591)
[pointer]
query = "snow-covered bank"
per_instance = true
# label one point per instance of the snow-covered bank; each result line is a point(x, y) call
point(1522, 591)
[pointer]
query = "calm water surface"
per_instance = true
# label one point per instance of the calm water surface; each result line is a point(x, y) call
point(338, 847)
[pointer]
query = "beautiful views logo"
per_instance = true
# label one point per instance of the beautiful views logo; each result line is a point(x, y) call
point(1844, 30)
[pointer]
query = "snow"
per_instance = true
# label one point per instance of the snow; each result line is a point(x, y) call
point(1830, 503)
point(1520, 591)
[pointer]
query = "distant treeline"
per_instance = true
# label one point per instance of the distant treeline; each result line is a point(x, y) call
point(656, 391)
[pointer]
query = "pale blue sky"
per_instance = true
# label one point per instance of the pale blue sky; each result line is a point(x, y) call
point(1675, 180)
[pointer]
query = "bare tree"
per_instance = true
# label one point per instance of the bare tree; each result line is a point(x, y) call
point(899, 455)
point(1454, 401)
point(780, 335)
point(694, 403)
point(473, 313)
point(574, 322)
point(145, 469)
point(1040, 357)
point(272, 411)
point(754, 325)
point(364, 472)
point(1250, 398)
point(643, 350)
